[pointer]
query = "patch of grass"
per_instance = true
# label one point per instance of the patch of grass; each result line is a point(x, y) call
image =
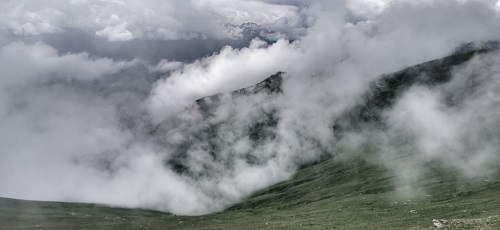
point(339, 193)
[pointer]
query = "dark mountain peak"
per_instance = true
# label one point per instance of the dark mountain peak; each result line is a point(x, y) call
point(251, 25)
point(271, 84)
point(475, 46)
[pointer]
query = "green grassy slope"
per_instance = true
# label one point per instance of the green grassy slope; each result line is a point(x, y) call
point(347, 191)
point(343, 192)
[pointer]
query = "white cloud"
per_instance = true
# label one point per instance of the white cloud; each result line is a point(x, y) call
point(367, 8)
point(74, 127)
point(116, 33)
point(238, 12)
point(229, 70)
point(31, 63)
point(151, 19)
point(32, 23)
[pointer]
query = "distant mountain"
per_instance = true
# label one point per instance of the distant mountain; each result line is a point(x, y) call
point(475, 46)
point(381, 96)
point(249, 31)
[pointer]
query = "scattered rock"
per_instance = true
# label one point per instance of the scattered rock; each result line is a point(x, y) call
point(440, 223)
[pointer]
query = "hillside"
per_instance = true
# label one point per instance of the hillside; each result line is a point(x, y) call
point(347, 190)
point(337, 193)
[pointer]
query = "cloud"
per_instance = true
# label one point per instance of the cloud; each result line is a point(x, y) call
point(77, 120)
point(367, 8)
point(152, 19)
point(38, 61)
point(28, 22)
point(116, 33)
point(453, 125)
point(229, 70)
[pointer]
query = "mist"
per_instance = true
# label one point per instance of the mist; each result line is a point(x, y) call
point(121, 126)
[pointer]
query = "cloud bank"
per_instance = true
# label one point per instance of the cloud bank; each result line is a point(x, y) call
point(126, 20)
point(75, 126)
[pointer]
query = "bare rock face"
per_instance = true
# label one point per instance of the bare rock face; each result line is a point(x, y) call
point(440, 223)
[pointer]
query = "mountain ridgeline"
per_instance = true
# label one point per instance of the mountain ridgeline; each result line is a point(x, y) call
point(206, 135)
point(383, 93)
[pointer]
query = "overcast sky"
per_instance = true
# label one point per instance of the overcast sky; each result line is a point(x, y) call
point(83, 83)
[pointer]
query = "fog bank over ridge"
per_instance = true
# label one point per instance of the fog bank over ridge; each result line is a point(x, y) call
point(98, 98)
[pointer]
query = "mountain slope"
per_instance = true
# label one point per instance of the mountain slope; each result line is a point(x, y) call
point(347, 191)
point(385, 91)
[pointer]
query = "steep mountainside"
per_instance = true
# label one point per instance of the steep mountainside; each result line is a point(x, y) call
point(346, 191)
point(385, 91)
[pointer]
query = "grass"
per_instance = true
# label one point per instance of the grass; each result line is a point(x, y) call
point(339, 193)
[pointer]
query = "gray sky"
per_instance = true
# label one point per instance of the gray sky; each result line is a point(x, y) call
point(84, 81)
